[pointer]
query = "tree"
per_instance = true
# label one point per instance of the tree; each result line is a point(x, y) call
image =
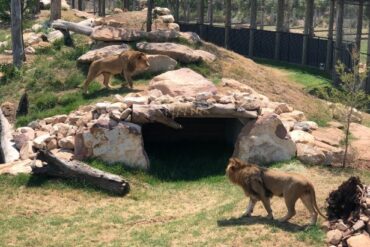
point(352, 94)
point(17, 36)
point(55, 10)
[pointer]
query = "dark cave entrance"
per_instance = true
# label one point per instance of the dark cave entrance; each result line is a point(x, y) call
point(201, 148)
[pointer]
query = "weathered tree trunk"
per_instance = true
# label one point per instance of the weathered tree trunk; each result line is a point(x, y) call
point(79, 3)
point(73, 4)
point(77, 170)
point(253, 26)
point(262, 14)
point(177, 9)
point(17, 36)
point(227, 22)
point(338, 38)
point(101, 7)
point(201, 17)
point(329, 48)
point(126, 4)
point(279, 28)
point(359, 24)
point(71, 26)
point(210, 12)
point(308, 29)
point(149, 16)
point(367, 83)
point(55, 10)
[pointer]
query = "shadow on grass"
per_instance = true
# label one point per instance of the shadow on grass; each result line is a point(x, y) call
point(251, 220)
point(58, 183)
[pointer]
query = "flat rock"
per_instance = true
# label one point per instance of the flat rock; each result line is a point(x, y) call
point(192, 38)
point(93, 55)
point(17, 167)
point(331, 136)
point(264, 141)
point(178, 52)
point(300, 136)
point(206, 56)
point(182, 82)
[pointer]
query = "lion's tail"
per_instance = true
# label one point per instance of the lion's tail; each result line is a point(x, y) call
point(313, 196)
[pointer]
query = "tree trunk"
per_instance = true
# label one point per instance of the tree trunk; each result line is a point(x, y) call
point(346, 140)
point(149, 16)
point(329, 48)
point(55, 10)
point(227, 22)
point(17, 36)
point(177, 9)
point(338, 39)
point(210, 12)
point(262, 14)
point(126, 4)
point(187, 10)
point(101, 7)
point(367, 82)
point(79, 3)
point(359, 24)
point(201, 18)
point(253, 26)
point(77, 170)
point(308, 28)
point(279, 28)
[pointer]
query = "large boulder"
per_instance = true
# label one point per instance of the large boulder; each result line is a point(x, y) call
point(8, 153)
point(159, 63)
point(340, 112)
point(178, 52)
point(93, 55)
point(183, 81)
point(361, 240)
point(122, 143)
point(309, 154)
point(264, 141)
point(17, 167)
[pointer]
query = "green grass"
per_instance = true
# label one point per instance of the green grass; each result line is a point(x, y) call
point(308, 77)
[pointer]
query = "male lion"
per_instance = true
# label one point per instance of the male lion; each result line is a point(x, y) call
point(261, 184)
point(126, 63)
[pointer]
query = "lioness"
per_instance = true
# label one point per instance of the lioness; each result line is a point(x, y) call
point(127, 63)
point(261, 184)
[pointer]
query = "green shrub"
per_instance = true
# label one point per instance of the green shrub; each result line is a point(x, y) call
point(68, 99)
point(46, 101)
point(73, 80)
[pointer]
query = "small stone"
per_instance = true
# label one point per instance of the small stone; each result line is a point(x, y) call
point(325, 226)
point(115, 115)
point(26, 151)
point(125, 114)
point(341, 226)
point(40, 141)
point(334, 237)
point(67, 143)
point(283, 108)
point(118, 98)
point(358, 225)
point(117, 106)
point(52, 144)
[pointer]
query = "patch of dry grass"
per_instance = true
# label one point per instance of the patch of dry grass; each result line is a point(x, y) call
point(199, 213)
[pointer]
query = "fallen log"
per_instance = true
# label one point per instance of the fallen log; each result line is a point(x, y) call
point(75, 169)
point(71, 26)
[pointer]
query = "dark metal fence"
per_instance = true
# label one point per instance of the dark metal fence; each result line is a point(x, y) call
point(291, 45)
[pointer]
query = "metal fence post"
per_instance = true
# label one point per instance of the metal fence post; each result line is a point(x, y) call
point(201, 17)
point(329, 46)
point(227, 23)
point(338, 38)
